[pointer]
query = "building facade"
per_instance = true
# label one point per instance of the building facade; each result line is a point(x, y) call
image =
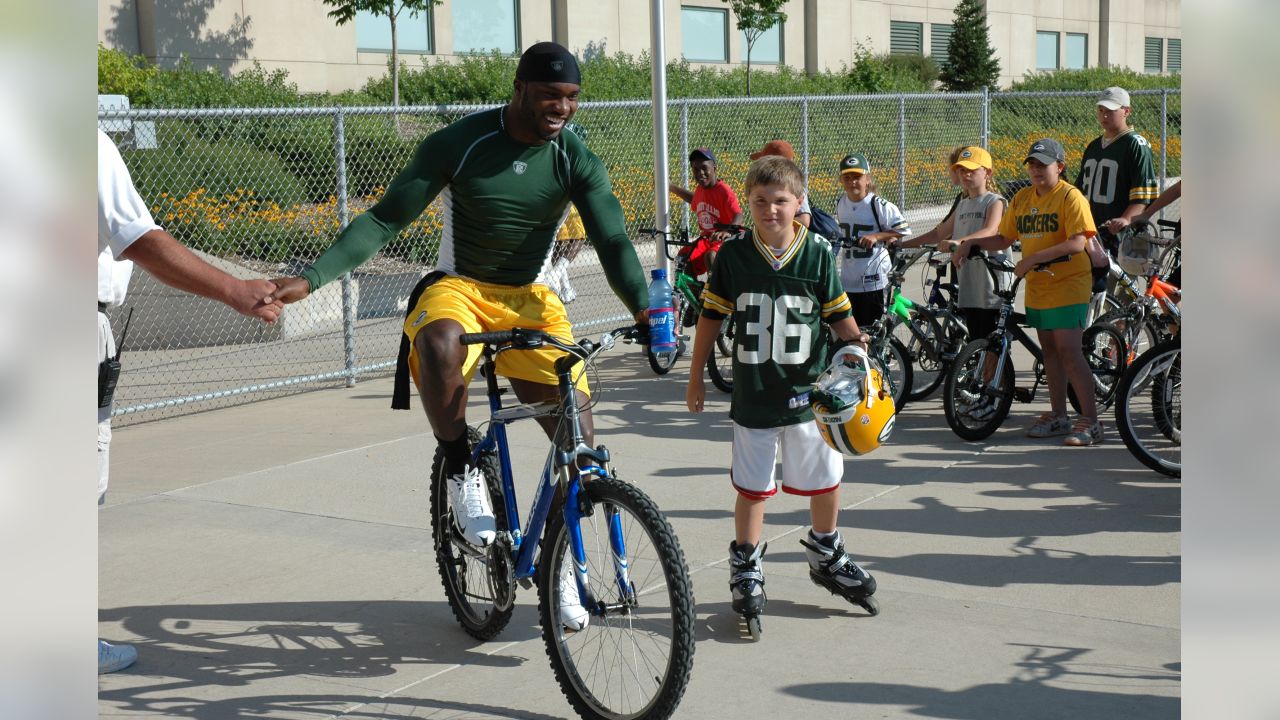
point(298, 35)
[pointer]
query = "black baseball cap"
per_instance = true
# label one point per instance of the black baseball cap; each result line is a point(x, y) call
point(703, 154)
point(1047, 151)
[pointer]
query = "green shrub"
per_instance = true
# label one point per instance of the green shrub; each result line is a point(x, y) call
point(888, 73)
point(119, 74)
point(187, 87)
point(918, 70)
point(1096, 78)
point(189, 162)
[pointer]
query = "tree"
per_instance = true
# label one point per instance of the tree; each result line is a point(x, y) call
point(971, 62)
point(344, 11)
point(755, 18)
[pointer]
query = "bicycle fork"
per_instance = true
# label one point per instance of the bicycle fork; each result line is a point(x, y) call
point(577, 507)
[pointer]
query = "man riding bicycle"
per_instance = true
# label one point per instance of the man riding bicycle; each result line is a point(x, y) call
point(508, 176)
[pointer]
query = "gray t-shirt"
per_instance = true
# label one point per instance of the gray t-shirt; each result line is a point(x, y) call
point(976, 288)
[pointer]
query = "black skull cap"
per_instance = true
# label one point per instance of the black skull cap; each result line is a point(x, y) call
point(548, 62)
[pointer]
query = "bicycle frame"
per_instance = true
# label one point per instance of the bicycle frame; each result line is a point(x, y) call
point(559, 465)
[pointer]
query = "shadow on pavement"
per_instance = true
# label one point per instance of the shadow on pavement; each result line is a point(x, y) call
point(198, 647)
point(1027, 695)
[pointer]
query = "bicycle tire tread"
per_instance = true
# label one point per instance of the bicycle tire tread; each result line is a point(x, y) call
point(667, 546)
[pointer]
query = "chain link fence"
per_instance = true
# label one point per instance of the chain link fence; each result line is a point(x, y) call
point(262, 192)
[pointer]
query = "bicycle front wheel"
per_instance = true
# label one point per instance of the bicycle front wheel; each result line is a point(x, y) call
point(976, 403)
point(1149, 408)
point(633, 658)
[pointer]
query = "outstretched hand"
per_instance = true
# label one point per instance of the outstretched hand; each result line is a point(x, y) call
point(290, 290)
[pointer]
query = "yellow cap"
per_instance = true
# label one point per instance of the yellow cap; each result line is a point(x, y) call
point(972, 158)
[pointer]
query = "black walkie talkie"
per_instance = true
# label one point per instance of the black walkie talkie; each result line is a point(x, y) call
point(109, 369)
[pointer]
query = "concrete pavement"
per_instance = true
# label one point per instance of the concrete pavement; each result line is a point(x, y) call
point(274, 560)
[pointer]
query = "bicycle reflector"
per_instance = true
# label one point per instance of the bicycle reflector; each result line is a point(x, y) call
point(852, 403)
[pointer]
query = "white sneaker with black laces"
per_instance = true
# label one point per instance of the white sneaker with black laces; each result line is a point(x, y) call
point(572, 614)
point(471, 509)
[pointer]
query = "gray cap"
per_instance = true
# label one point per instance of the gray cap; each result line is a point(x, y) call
point(1047, 151)
point(1114, 98)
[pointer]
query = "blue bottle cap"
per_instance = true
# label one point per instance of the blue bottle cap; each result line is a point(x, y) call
point(658, 274)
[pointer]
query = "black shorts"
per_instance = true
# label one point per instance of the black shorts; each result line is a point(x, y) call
point(868, 307)
point(980, 321)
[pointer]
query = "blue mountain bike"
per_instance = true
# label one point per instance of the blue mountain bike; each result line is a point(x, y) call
point(592, 542)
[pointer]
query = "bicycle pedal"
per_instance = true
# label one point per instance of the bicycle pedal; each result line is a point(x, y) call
point(1023, 395)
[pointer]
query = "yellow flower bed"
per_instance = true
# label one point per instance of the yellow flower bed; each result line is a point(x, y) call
point(241, 222)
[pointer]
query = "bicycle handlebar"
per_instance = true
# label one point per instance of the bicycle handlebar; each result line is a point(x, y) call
point(532, 339)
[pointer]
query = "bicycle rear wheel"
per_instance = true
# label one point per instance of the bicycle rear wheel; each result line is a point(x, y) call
point(974, 406)
point(478, 584)
point(1139, 338)
point(634, 657)
point(720, 364)
point(921, 339)
point(1149, 408)
point(892, 359)
point(1104, 350)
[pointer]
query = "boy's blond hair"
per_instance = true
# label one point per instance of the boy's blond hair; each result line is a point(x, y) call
point(776, 170)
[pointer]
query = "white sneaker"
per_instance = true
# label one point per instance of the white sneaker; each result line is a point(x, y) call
point(471, 509)
point(572, 614)
point(115, 657)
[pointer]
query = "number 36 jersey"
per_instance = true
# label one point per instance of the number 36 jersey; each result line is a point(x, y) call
point(778, 305)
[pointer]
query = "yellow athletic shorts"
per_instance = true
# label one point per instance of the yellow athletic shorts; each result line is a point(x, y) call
point(484, 307)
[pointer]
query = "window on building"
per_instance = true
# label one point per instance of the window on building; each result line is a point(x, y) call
point(1154, 54)
point(906, 38)
point(768, 47)
point(413, 34)
point(939, 38)
point(704, 34)
point(1046, 51)
point(481, 26)
point(1175, 56)
point(1077, 51)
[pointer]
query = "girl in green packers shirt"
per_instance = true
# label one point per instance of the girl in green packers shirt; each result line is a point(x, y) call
point(1052, 220)
point(779, 284)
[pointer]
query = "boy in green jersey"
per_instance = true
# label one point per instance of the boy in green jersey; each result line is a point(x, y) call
point(780, 284)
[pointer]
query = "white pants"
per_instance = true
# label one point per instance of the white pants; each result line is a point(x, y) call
point(106, 348)
point(809, 465)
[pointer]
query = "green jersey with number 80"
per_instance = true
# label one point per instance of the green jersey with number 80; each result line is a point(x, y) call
point(778, 304)
point(1115, 176)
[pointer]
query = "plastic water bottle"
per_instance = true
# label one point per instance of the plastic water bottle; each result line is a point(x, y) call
point(662, 316)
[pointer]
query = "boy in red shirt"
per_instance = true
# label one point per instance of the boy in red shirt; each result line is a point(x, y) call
point(713, 202)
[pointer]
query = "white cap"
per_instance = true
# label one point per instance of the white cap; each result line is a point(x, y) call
point(1114, 98)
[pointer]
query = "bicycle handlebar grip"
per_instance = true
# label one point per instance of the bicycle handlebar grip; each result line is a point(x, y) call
point(1055, 261)
point(497, 337)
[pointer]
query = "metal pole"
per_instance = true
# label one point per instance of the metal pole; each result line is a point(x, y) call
point(684, 153)
point(1164, 137)
point(804, 137)
point(902, 152)
point(661, 176)
point(348, 301)
point(985, 113)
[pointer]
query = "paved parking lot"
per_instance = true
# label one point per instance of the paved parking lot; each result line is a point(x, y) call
point(274, 560)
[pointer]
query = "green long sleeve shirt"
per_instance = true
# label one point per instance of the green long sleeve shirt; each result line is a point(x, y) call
point(503, 202)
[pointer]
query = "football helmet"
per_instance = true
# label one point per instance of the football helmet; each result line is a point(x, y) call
point(852, 403)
